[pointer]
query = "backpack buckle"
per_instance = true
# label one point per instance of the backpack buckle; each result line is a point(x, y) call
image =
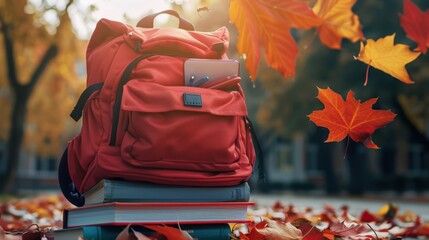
point(192, 100)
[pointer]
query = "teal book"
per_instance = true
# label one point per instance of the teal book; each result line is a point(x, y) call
point(199, 231)
point(137, 213)
point(108, 190)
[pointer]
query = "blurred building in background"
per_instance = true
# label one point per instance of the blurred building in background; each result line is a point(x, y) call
point(302, 164)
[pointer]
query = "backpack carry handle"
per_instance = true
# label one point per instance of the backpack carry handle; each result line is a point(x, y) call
point(147, 22)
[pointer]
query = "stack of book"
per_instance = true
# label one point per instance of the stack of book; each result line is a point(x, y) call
point(111, 205)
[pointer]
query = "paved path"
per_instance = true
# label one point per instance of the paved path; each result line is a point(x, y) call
point(356, 205)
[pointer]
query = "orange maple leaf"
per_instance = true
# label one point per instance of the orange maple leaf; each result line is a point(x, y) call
point(416, 24)
point(266, 23)
point(338, 22)
point(349, 118)
point(384, 55)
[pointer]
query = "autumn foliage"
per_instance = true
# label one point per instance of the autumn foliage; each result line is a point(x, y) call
point(266, 24)
point(265, 29)
point(415, 23)
point(36, 218)
point(338, 22)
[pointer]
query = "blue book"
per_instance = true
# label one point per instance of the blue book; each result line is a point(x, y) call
point(109, 190)
point(137, 213)
point(199, 231)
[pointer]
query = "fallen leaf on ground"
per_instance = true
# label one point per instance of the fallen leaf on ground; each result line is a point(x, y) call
point(140, 236)
point(343, 229)
point(170, 233)
point(276, 230)
point(124, 234)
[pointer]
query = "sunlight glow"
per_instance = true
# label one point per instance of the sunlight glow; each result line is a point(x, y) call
point(122, 11)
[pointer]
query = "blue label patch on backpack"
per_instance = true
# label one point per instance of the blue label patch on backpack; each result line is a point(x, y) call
point(192, 100)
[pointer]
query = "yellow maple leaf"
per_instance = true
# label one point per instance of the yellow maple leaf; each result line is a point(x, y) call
point(338, 22)
point(384, 55)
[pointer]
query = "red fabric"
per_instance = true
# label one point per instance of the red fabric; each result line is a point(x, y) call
point(159, 139)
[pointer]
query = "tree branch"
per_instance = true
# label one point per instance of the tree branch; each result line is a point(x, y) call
point(49, 55)
point(10, 58)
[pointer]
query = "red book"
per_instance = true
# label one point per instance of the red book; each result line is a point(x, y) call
point(120, 213)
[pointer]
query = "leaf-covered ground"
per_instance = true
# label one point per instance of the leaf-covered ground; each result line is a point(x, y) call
point(36, 218)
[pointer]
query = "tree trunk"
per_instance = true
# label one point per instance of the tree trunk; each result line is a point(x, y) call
point(21, 95)
point(16, 135)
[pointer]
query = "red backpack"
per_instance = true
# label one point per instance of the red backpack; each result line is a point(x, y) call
point(136, 124)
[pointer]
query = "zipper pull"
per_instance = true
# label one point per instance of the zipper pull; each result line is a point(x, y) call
point(138, 46)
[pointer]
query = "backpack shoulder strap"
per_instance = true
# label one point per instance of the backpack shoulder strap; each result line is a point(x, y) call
point(76, 114)
point(260, 153)
point(66, 184)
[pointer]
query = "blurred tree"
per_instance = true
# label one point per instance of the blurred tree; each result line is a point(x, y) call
point(38, 82)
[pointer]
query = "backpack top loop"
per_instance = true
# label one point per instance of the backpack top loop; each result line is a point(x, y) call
point(147, 22)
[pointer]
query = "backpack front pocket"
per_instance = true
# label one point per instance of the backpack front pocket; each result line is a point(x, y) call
point(178, 127)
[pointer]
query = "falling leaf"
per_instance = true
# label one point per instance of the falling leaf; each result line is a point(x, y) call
point(338, 22)
point(387, 57)
point(415, 23)
point(267, 24)
point(349, 118)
